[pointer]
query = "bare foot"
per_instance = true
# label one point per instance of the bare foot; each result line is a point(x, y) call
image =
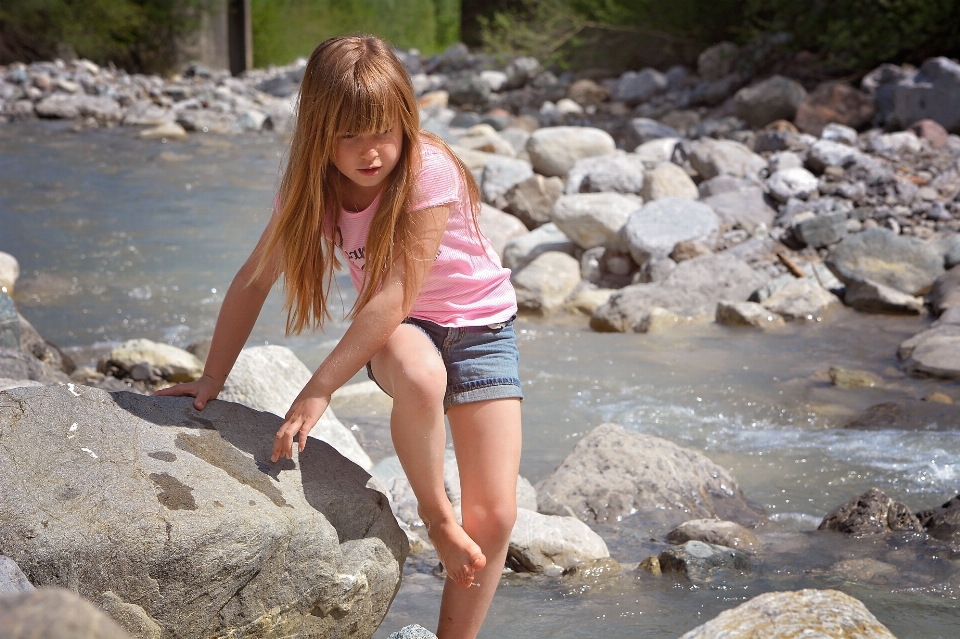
point(460, 555)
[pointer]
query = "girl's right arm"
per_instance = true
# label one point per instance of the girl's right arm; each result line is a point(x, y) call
point(238, 314)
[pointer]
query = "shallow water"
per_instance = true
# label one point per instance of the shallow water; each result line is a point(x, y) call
point(119, 238)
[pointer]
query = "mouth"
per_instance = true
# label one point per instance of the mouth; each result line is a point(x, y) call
point(370, 172)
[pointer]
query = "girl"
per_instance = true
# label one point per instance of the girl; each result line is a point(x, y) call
point(433, 320)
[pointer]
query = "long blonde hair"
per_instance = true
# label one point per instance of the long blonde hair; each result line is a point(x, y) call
point(352, 85)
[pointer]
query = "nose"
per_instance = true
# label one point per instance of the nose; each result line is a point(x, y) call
point(369, 148)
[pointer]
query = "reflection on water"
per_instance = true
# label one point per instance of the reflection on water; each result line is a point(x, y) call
point(119, 238)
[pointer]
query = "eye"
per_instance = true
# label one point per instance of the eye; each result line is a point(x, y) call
point(347, 136)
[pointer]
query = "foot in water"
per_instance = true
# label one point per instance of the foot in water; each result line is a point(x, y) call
point(460, 555)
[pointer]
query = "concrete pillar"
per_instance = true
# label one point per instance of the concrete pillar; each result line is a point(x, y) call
point(225, 39)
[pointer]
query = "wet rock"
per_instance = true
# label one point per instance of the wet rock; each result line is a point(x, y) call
point(642, 130)
point(945, 292)
point(933, 353)
point(871, 297)
point(711, 158)
point(904, 263)
point(802, 300)
point(871, 513)
point(700, 561)
point(269, 378)
point(612, 473)
point(499, 227)
point(17, 365)
point(694, 287)
point(523, 249)
point(821, 230)
point(866, 569)
point(941, 398)
point(849, 378)
point(594, 219)
point(933, 93)
point(554, 150)
point(586, 298)
point(943, 522)
point(718, 61)
point(775, 98)
point(667, 180)
point(747, 314)
point(617, 173)
point(12, 579)
point(538, 542)
point(908, 415)
point(655, 229)
point(834, 102)
point(544, 284)
point(210, 476)
point(501, 174)
point(827, 613)
point(28, 616)
point(9, 273)
point(532, 200)
point(172, 363)
point(715, 532)
point(413, 631)
point(593, 571)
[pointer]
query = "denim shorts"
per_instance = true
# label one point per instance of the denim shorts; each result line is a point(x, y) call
point(482, 362)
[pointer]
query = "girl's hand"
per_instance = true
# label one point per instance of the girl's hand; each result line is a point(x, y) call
point(204, 389)
point(301, 418)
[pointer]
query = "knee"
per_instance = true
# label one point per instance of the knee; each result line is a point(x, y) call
point(422, 384)
point(496, 519)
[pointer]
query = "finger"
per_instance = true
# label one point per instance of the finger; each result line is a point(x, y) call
point(177, 391)
point(202, 397)
point(283, 442)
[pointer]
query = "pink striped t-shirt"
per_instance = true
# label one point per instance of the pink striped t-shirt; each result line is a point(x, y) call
point(466, 286)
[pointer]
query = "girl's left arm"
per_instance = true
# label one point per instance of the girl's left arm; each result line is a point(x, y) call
point(369, 331)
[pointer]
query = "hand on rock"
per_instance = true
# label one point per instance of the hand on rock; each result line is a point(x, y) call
point(204, 389)
point(301, 418)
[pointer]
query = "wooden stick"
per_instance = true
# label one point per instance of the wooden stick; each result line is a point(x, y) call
point(791, 266)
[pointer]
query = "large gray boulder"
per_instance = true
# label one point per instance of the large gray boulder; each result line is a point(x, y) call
point(933, 93)
point(933, 353)
point(729, 534)
point(612, 473)
point(594, 219)
point(523, 249)
point(871, 513)
point(695, 286)
point(555, 150)
point(804, 613)
point(544, 284)
point(775, 98)
point(541, 542)
point(652, 231)
point(802, 300)
point(12, 579)
point(55, 613)
point(182, 514)
point(269, 378)
point(501, 174)
point(904, 263)
point(619, 173)
point(17, 365)
point(725, 157)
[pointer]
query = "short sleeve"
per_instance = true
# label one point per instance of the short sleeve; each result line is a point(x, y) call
point(438, 182)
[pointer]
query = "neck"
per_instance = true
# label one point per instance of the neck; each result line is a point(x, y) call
point(355, 197)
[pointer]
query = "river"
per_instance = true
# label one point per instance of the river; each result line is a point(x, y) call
point(120, 238)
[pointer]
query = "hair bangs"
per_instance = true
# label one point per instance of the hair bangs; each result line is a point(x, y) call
point(371, 103)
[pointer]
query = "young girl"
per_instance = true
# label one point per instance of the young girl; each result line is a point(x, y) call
point(433, 320)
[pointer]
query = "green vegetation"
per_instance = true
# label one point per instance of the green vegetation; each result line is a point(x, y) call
point(286, 29)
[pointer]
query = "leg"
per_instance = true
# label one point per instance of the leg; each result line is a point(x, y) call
point(409, 368)
point(486, 436)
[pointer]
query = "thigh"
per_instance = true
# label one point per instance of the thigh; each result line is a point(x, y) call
point(487, 439)
point(408, 358)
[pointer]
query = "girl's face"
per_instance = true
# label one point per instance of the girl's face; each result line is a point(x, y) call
point(366, 159)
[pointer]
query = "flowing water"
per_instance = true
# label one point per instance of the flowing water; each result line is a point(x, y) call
point(119, 238)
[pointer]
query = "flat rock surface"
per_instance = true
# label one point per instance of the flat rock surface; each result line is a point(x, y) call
point(540, 541)
point(908, 414)
point(141, 488)
point(933, 353)
point(653, 231)
point(904, 263)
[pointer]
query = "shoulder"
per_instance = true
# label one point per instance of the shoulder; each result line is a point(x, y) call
point(434, 159)
point(438, 179)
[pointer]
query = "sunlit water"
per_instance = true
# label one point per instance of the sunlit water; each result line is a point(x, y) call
point(120, 238)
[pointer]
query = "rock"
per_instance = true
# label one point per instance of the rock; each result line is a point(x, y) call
point(146, 113)
point(783, 160)
point(544, 284)
point(208, 121)
point(747, 207)
point(540, 541)
point(523, 249)
point(9, 323)
point(172, 363)
point(802, 300)
point(32, 343)
point(653, 230)
point(595, 571)
point(930, 130)
point(715, 532)
point(9, 273)
point(554, 150)
point(532, 200)
point(413, 631)
point(839, 133)
point(814, 613)
point(724, 184)
point(269, 378)
point(871, 297)
point(933, 93)
point(703, 562)
point(483, 137)
point(653, 152)
point(871, 513)
point(941, 398)
point(834, 102)
point(945, 292)
point(944, 522)
point(904, 263)
point(177, 479)
point(17, 365)
point(775, 98)
point(908, 414)
point(251, 119)
point(12, 579)
point(618, 173)
point(695, 286)
point(29, 616)
point(593, 219)
point(825, 153)
point(711, 158)
point(821, 230)
point(588, 93)
point(131, 617)
point(933, 353)
point(880, 84)
point(717, 61)
point(642, 130)
point(866, 569)
point(612, 473)
point(636, 87)
point(668, 180)
point(468, 90)
point(688, 250)
point(64, 106)
point(847, 378)
point(787, 183)
point(499, 227)
point(165, 131)
point(894, 144)
point(747, 314)
point(587, 299)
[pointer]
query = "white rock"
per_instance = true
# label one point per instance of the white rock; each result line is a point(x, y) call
point(802, 300)
point(725, 157)
point(501, 174)
point(251, 119)
point(653, 152)
point(539, 541)
point(839, 133)
point(655, 229)
point(620, 172)
point(895, 143)
point(783, 160)
point(554, 150)
point(167, 130)
point(593, 219)
point(788, 183)
point(523, 249)
point(9, 273)
point(566, 106)
point(826, 153)
point(668, 180)
point(543, 285)
point(494, 79)
point(174, 364)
